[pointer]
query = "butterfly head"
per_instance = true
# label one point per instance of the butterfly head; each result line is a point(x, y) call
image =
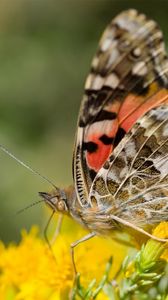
point(56, 200)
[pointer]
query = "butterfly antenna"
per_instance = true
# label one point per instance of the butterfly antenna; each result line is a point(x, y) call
point(5, 150)
point(27, 207)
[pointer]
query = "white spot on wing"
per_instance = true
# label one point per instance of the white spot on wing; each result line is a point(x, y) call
point(98, 128)
point(88, 82)
point(95, 62)
point(94, 82)
point(106, 44)
point(97, 83)
point(130, 149)
point(161, 164)
point(113, 56)
point(126, 23)
point(112, 81)
point(140, 69)
point(160, 113)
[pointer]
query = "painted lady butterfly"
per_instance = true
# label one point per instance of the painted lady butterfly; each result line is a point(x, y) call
point(120, 163)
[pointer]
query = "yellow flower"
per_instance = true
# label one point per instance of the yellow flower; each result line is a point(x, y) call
point(31, 271)
point(161, 231)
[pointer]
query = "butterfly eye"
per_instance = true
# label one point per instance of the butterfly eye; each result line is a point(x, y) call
point(61, 206)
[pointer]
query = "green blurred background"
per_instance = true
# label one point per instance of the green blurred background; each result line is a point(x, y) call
point(45, 51)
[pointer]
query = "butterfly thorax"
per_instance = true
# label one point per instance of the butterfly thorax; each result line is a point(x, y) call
point(91, 215)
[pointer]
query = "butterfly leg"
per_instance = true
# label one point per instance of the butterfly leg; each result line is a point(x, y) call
point(73, 245)
point(58, 228)
point(46, 235)
point(46, 230)
point(133, 226)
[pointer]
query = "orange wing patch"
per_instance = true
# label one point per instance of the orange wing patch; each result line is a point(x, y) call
point(135, 107)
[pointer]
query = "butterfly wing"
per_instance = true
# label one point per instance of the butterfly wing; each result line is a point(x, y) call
point(129, 76)
point(135, 177)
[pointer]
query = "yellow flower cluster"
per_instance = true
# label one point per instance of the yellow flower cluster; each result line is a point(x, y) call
point(31, 271)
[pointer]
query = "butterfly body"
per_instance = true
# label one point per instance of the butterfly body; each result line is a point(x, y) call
point(120, 161)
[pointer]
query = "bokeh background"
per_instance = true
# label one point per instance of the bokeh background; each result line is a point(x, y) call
point(46, 47)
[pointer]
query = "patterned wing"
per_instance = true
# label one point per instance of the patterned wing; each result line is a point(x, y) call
point(128, 77)
point(133, 184)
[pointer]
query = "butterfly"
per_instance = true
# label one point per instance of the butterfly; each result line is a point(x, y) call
point(120, 160)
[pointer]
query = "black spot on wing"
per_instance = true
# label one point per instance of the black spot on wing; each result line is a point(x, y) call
point(93, 105)
point(82, 123)
point(105, 115)
point(90, 147)
point(120, 134)
point(136, 85)
point(106, 140)
point(92, 174)
point(95, 98)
